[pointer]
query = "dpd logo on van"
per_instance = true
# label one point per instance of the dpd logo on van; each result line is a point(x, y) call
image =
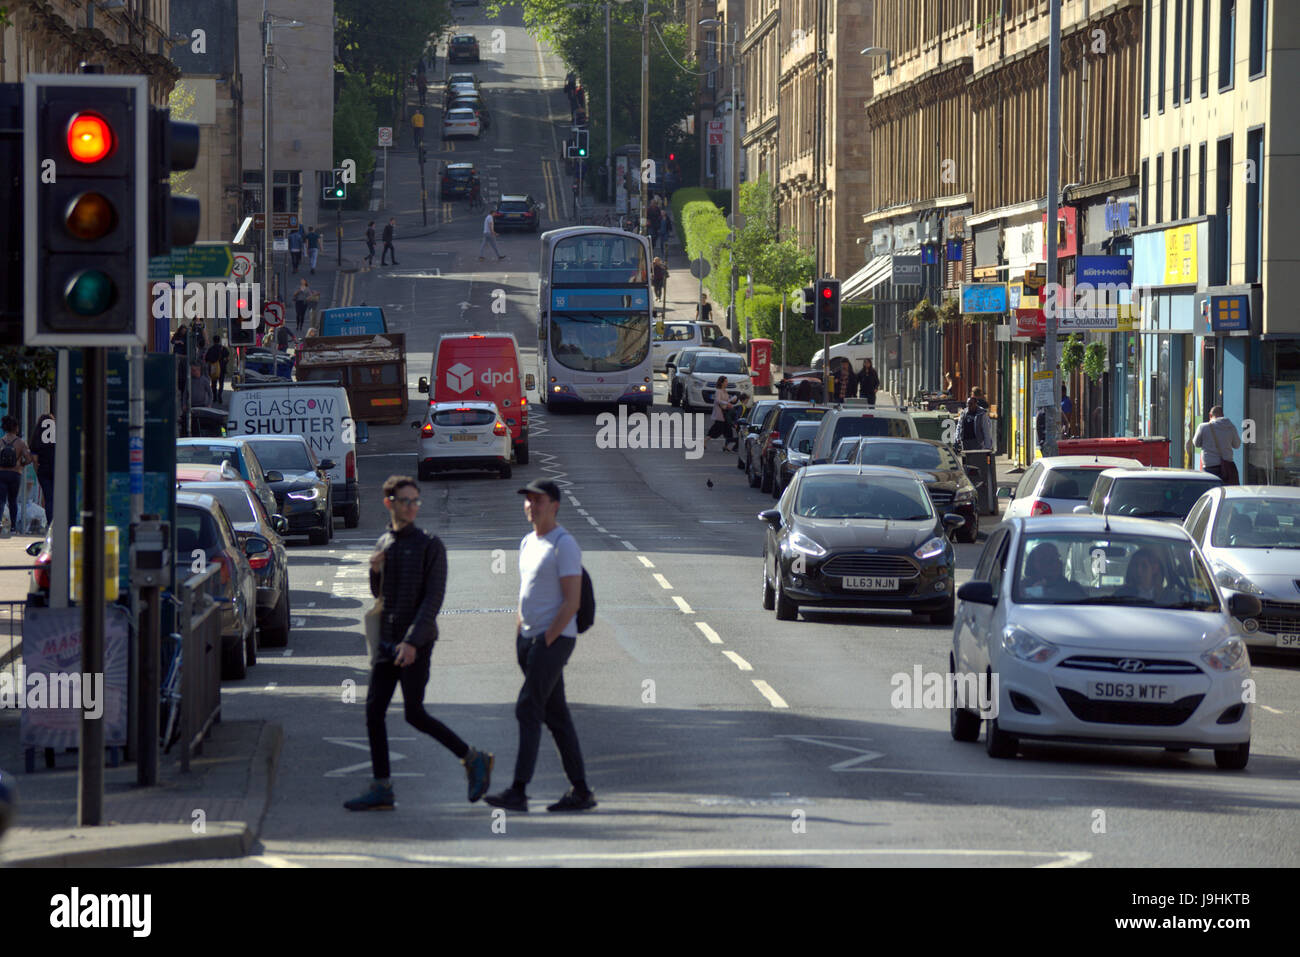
point(460, 377)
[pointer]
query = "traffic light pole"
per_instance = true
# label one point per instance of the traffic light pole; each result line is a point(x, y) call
point(1053, 184)
point(90, 758)
point(645, 115)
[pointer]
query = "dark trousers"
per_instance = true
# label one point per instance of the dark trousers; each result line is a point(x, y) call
point(541, 700)
point(301, 306)
point(383, 256)
point(9, 487)
point(296, 256)
point(370, 256)
point(47, 493)
point(384, 679)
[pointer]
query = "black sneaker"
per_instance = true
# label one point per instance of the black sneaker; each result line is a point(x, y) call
point(512, 799)
point(378, 798)
point(572, 801)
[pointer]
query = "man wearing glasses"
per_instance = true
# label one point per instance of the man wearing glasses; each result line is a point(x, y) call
point(408, 573)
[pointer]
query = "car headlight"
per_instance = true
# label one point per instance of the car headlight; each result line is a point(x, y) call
point(933, 547)
point(1229, 577)
point(1228, 656)
point(1026, 646)
point(964, 496)
point(802, 543)
point(305, 494)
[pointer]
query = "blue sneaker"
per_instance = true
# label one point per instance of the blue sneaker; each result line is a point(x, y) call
point(478, 769)
point(378, 798)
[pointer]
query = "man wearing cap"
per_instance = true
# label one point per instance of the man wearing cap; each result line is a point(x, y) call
point(550, 591)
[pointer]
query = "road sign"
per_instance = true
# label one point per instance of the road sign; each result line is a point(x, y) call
point(716, 130)
point(200, 261)
point(274, 314)
point(700, 268)
point(242, 264)
point(385, 136)
point(278, 221)
point(280, 245)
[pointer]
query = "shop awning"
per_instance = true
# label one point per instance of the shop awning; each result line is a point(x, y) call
point(878, 271)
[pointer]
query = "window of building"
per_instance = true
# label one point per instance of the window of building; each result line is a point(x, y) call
point(1188, 20)
point(1227, 41)
point(1254, 203)
point(1178, 51)
point(1187, 181)
point(287, 191)
point(1222, 211)
point(1205, 47)
point(1146, 62)
point(1203, 177)
point(1163, 27)
point(1173, 184)
point(1258, 36)
point(1160, 188)
point(1146, 183)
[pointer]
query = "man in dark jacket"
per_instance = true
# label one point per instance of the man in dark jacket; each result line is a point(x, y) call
point(408, 573)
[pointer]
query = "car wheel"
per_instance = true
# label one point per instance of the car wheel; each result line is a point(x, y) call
point(786, 610)
point(505, 471)
point(521, 453)
point(769, 593)
point(278, 636)
point(962, 724)
point(997, 742)
point(946, 616)
point(329, 518)
point(422, 472)
point(972, 535)
point(352, 516)
point(318, 536)
point(252, 641)
point(740, 463)
point(750, 474)
point(234, 665)
point(1232, 759)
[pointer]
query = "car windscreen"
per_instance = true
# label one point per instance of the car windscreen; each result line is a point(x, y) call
point(283, 456)
point(1152, 498)
point(876, 497)
point(1074, 485)
point(786, 418)
point(460, 114)
point(845, 451)
point(195, 529)
point(1258, 523)
point(461, 173)
point(802, 435)
point(869, 425)
point(454, 417)
point(234, 499)
point(1071, 568)
point(906, 455)
point(208, 455)
point(715, 364)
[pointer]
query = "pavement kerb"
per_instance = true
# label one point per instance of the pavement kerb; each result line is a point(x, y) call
point(137, 845)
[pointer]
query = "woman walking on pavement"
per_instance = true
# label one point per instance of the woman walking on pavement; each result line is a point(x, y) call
point(868, 382)
point(658, 278)
point(14, 457)
point(721, 418)
point(302, 298)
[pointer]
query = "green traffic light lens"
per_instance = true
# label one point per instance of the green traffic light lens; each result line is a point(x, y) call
point(90, 293)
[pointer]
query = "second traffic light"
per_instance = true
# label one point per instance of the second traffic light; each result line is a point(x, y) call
point(809, 303)
point(338, 190)
point(826, 320)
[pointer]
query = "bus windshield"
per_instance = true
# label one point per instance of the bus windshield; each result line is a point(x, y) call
point(595, 258)
point(592, 342)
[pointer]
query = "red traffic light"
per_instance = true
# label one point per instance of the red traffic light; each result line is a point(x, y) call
point(672, 157)
point(90, 138)
point(826, 292)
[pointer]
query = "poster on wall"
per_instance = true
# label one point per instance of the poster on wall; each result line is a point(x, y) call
point(1286, 432)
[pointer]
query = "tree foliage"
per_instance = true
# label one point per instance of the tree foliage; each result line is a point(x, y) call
point(355, 121)
point(26, 368)
point(381, 42)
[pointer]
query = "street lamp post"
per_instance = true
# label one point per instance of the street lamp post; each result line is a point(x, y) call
point(268, 203)
point(734, 54)
point(645, 113)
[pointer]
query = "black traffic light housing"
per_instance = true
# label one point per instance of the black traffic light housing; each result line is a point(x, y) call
point(11, 216)
point(827, 317)
point(173, 148)
point(809, 303)
point(338, 190)
point(582, 136)
point(86, 209)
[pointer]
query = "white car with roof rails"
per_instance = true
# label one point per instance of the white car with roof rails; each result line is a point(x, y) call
point(1057, 484)
point(1250, 535)
point(463, 436)
point(1166, 495)
point(670, 337)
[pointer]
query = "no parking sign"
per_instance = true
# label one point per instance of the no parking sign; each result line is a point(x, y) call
point(274, 314)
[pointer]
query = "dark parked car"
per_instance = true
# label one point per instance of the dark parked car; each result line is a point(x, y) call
point(945, 477)
point(457, 178)
point(792, 453)
point(516, 212)
point(202, 526)
point(259, 535)
point(749, 426)
point(304, 495)
point(780, 420)
point(858, 537)
point(462, 47)
point(239, 453)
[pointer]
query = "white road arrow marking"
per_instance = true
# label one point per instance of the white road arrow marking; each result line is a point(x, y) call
point(363, 744)
point(832, 741)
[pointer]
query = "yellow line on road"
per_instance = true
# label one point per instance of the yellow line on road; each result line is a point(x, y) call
point(709, 633)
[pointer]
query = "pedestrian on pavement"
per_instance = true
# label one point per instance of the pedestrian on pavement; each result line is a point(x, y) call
point(1217, 438)
point(283, 337)
point(313, 248)
point(302, 298)
point(665, 230)
point(652, 215)
point(422, 82)
point(868, 382)
point(218, 361)
point(388, 244)
point(490, 238)
point(370, 243)
point(850, 379)
point(706, 311)
point(417, 126)
point(949, 387)
point(42, 449)
point(295, 248)
point(1067, 408)
point(974, 428)
point(200, 396)
point(658, 277)
point(408, 578)
point(550, 593)
point(720, 420)
point(14, 457)
point(978, 393)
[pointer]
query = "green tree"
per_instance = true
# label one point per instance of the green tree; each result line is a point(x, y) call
point(355, 122)
point(26, 367)
point(181, 102)
point(381, 42)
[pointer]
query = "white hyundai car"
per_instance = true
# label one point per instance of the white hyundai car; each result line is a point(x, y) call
point(463, 436)
point(1250, 535)
point(1100, 630)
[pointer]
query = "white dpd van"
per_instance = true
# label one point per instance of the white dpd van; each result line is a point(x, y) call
point(321, 414)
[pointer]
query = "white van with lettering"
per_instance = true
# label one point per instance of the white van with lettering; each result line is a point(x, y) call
point(320, 413)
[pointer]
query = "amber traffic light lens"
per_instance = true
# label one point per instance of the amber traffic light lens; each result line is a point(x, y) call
point(91, 216)
point(90, 138)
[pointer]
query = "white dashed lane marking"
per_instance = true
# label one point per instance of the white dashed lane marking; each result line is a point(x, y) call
point(663, 582)
point(738, 661)
point(766, 691)
point(709, 633)
point(645, 561)
point(681, 603)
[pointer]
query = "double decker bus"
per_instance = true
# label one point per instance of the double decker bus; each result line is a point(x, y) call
point(593, 318)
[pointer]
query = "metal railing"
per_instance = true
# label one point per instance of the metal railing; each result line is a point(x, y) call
point(200, 628)
point(11, 638)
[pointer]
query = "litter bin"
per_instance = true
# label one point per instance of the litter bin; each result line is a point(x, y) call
point(979, 465)
point(760, 365)
point(1149, 450)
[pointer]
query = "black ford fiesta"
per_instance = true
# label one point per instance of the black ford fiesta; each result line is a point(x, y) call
point(853, 536)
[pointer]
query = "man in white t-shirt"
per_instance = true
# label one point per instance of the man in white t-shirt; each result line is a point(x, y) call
point(489, 237)
point(550, 592)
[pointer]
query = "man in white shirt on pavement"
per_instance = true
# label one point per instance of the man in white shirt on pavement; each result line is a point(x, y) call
point(489, 237)
point(550, 593)
point(1216, 439)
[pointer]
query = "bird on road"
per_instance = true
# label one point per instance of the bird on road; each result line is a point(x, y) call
point(709, 482)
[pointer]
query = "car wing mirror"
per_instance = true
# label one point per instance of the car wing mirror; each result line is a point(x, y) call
point(772, 516)
point(978, 592)
point(423, 385)
point(255, 546)
point(280, 523)
point(953, 520)
point(34, 548)
point(273, 476)
point(1082, 510)
point(328, 464)
point(1241, 605)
